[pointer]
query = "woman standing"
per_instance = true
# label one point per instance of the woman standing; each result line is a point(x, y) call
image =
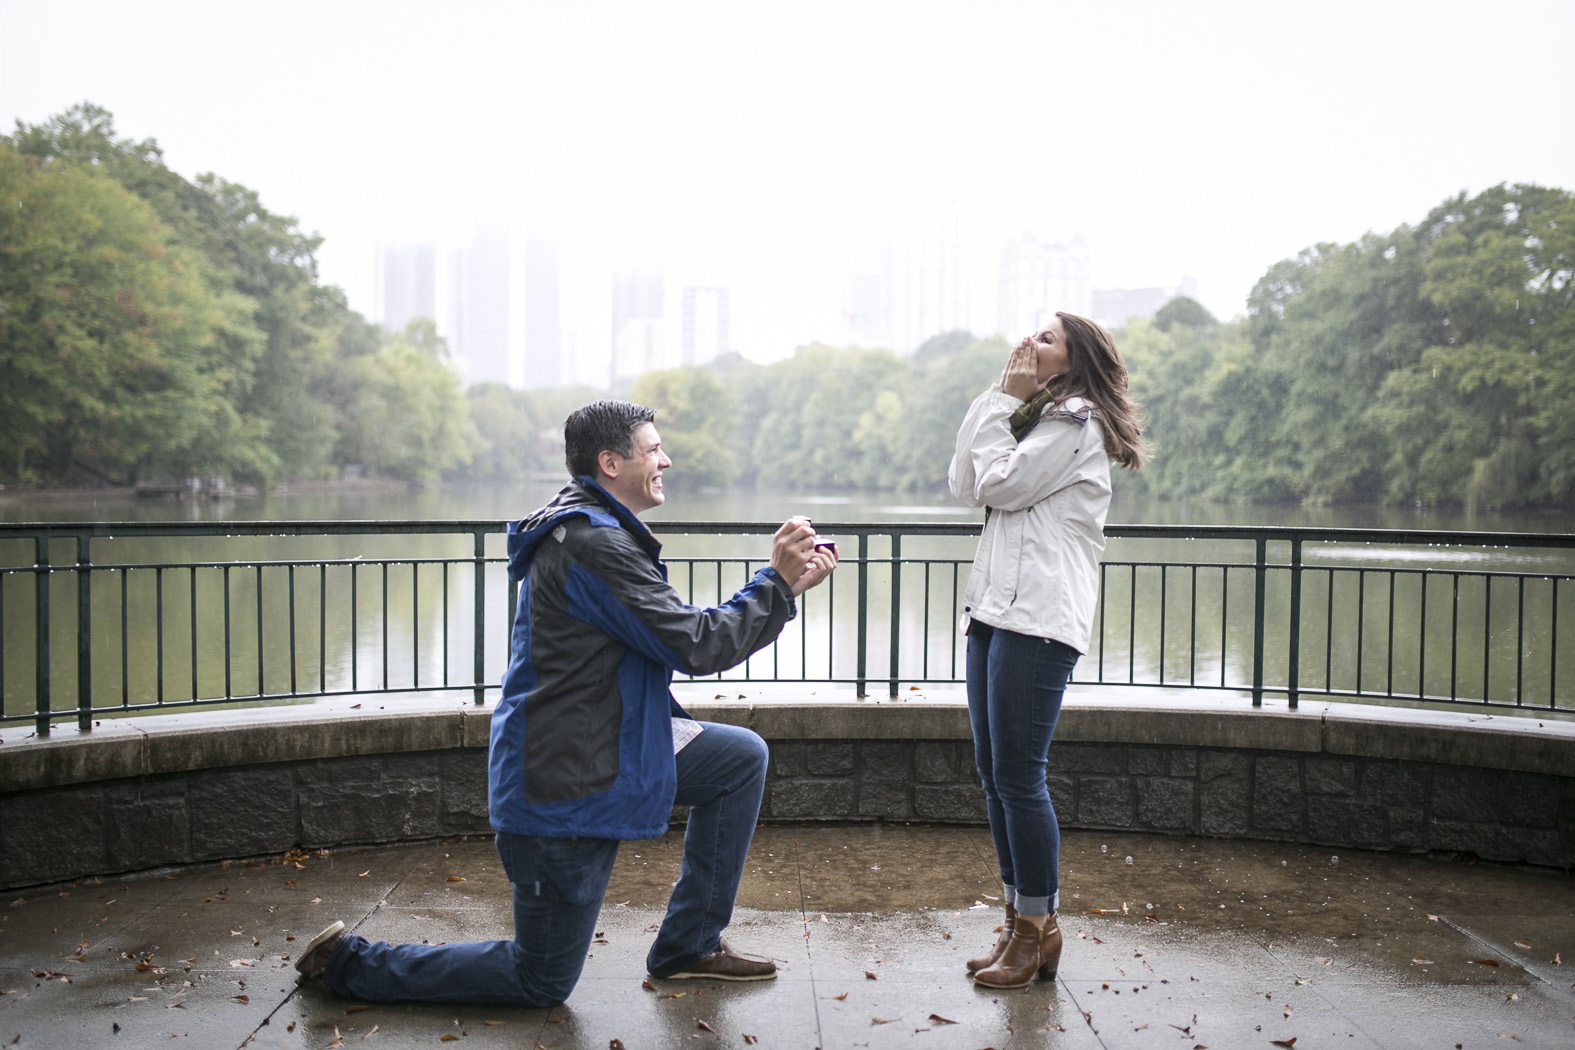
point(1035, 452)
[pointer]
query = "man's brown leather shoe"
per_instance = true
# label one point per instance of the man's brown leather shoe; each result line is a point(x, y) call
point(725, 964)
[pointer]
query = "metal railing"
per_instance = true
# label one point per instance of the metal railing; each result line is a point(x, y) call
point(101, 619)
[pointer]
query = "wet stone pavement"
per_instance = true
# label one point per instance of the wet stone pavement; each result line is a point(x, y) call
point(1190, 943)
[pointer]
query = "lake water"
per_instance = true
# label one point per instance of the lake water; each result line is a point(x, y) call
point(505, 501)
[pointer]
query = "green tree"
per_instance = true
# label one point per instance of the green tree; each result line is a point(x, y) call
point(116, 353)
point(1185, 311)
point(695, 414)
point(407, 418)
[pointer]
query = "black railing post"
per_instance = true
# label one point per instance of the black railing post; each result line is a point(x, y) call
point(85, 633)
point(896, 608)
point(1295, 641)
point(479, 664)
point(864, 602)
point(1260, 570)
point(41, 632)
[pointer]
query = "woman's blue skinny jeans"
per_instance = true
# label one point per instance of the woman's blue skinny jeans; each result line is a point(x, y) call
point(1015, 686)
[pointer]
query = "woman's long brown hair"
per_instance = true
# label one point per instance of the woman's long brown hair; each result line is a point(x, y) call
point(1095, 373)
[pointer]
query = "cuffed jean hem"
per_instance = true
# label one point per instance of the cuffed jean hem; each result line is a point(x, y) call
point(1036, 905)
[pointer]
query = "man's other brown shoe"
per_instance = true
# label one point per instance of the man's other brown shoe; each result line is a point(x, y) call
point(726, 964)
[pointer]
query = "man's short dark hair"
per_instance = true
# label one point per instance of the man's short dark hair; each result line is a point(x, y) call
point(600, 425)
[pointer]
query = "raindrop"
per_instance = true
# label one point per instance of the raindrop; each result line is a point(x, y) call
point(1129, 860)
point(1104, 849)
point(1334, 860)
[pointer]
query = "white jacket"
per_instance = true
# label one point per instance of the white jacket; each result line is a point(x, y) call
point(1037, 568)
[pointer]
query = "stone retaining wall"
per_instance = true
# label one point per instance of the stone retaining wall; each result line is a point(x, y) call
point(149, 792)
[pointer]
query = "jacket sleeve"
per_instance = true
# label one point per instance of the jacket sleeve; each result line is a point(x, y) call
point(991, 469)
point(615, 587)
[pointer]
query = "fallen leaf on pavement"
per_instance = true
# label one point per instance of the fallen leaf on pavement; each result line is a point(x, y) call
point(938, 1019)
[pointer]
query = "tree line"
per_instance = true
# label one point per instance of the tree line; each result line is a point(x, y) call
point(155, 327)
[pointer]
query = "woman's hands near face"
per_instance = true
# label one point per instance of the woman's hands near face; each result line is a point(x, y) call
point(1020, 377)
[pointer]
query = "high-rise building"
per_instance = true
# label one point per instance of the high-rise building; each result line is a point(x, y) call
point(406, 285)
point(495, 300)
point(543, 335)
point(637, 315)
point(920, 283)
point(1037, 279)
point(706, 332)
point(486, 307)
point(1114, 307)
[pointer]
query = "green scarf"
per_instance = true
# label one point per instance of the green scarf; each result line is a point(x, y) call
point(1028, 415)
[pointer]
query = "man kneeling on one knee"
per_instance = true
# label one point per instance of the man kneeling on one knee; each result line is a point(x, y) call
point(589, 747)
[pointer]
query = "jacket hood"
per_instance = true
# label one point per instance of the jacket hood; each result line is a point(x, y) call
point(580, 496)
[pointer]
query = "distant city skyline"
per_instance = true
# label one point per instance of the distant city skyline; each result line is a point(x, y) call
point(497, 300)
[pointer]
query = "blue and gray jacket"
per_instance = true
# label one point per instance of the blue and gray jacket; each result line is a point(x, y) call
point(582, 740)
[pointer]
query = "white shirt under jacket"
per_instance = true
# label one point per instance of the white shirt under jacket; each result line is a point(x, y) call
point(1037, 568)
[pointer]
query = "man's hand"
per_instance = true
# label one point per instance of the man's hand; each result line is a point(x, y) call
point(796, 559)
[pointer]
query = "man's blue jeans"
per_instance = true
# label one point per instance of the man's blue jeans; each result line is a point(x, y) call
point(1015, 686)
point(558, 887)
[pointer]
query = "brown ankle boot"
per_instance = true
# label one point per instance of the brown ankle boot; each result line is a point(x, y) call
point(988, 958)
point(1030, 951)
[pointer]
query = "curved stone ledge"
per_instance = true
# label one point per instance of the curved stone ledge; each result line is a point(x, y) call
point(146, 792)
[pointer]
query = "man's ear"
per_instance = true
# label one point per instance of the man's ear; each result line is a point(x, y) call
point(607, 463)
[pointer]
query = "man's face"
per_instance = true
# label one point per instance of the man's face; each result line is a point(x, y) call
point(636, 482)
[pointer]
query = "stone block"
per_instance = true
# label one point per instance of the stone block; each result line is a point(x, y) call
point(1222, 804)
point(890, 760)
point(940, 762)
point(1342, 822)
point(829, 759)
point(1183, 762)
point(1088, 758)
point(1499, 841)
point(1165, 804)
point(384, 808)
point(812, 799)
point(787, 759)
point(1476, 796)
point(464, 778)
point(1063, 793)
point(950, 803)
point(148, 823)
point(1214, 765)
point(886, 800)
point(242, 812)
point(1277, 794)
point(1147, 761)
point(1395, 784)
point(1331, 776)
point(46, 836)
point(1104, 802)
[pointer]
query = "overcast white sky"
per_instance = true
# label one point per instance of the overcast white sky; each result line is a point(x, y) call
point(772, 141)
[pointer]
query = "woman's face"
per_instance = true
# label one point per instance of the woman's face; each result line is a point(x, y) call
point(1050, 346)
